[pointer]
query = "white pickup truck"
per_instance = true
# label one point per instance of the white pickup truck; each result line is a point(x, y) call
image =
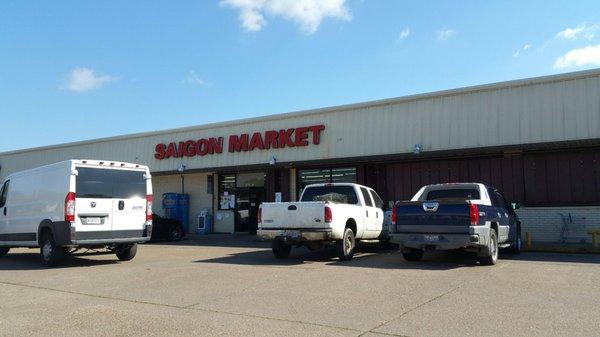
point(339, 214)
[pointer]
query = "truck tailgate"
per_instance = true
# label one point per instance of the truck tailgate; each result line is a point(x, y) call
point(293, 215)
point(450, 217)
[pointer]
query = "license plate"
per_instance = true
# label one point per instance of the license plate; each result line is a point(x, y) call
point(431, 238)
point(293, 234)
point(93, 221)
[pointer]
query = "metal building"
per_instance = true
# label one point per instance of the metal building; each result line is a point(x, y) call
point(537, 140)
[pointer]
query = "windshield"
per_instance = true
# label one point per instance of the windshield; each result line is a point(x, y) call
point(109, 183)
point(455, 193)
point(335, 194)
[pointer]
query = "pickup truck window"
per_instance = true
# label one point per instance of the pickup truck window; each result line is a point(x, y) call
point(462, 193)
point(336, 194)
point(376, 199)
point(366, 196)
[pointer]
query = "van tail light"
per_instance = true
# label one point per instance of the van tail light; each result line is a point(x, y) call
point(70, 207)
point(394, 215)
point(328, 214)
point(473, 215)
point(149, 199)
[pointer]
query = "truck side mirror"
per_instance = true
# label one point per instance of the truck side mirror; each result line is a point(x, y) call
point(515, 205)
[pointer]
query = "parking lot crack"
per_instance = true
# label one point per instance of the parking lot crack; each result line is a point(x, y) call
point(187, 307)
point(433, 299)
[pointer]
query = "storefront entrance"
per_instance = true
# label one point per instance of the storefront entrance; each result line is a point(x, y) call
point(241, 194)
point(248, 200)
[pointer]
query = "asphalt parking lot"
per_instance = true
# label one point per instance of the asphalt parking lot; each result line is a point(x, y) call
point(233, 286)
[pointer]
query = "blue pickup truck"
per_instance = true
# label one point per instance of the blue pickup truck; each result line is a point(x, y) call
point(469, 216)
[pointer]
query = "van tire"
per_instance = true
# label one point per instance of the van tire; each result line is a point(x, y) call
point(345, 246)
point(4, 251)
point(50, 253)
point(280, 249)
point(412, 254)
point(126, 252)
point(491, 257)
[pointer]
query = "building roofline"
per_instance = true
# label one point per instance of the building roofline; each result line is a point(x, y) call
point(352, 106)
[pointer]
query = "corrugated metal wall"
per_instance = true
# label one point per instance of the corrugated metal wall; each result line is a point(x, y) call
point(543, 110)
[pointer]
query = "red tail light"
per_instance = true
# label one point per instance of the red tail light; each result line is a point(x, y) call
point(70, 207)
point(328, 214)
point(149, 199)
point(259, 215)
point(473, 214)
point(394, 214)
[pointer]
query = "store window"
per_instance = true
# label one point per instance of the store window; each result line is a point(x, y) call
point(227, 190)
point(321, 176)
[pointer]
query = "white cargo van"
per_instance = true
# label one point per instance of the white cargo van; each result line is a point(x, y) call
point(77, 206)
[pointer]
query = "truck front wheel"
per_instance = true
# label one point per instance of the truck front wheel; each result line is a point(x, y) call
point(126, 252)
point(280, 249)
point(345, 246)
point(412, 254)
point(491, 254)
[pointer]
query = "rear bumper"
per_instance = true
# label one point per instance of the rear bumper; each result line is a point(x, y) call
point(476, 238)
point(295, 235)
point(111, 237)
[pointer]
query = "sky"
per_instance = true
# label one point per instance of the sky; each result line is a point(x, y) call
point(79, 69)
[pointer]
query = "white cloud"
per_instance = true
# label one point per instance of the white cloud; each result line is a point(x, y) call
point(404, 34)
point(527, 46)
point(583, 31)
point(307, 13)
point(586, 56)
point(193, 78)
point(446, 33)
point(85, 79)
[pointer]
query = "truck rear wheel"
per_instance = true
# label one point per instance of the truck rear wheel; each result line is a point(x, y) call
point(412, 254)
point(492, 250)
point(4, 251)
point(126, 252)
point(51, 254)
point(345, 246)
point(280, 249)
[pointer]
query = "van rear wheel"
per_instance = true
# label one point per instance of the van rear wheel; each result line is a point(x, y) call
point(51, 254)
point(126, 252)
point(4, 251)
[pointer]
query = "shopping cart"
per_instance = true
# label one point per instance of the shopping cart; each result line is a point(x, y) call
point(573, 228)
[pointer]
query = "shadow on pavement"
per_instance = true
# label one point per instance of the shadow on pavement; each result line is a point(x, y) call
point(366, 256)
point(32, 261)
point(238, 240)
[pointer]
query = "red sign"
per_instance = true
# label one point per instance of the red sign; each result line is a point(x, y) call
point(272, 139)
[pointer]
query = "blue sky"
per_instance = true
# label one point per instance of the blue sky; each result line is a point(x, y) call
point(76, 70)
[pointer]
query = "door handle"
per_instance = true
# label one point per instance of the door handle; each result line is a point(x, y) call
point(377, 214)
point(367, 213)
point(121, 205)
point(4, 211)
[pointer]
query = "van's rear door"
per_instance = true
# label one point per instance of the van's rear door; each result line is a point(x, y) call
point(110, 199)
point(93, 203)
point(129, 201)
